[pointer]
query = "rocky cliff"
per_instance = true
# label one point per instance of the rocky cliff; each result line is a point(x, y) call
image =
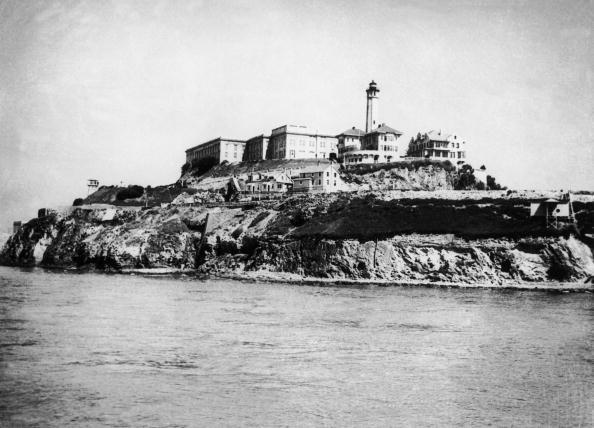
point(356, 236)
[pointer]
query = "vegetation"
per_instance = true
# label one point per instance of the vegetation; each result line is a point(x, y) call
point(199, 166)
point(78, 202)
point(130, 192)
point(411, 165)
point(465, 179)
point(492, 184)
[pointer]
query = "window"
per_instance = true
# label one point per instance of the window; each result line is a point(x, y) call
point(327, 173)
point(320, 182)
point(322, 144)
point(327, 182)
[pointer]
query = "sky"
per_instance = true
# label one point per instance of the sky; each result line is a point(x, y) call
point(117, 89)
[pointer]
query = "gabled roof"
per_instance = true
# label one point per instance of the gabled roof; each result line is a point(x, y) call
point(438, 136)
point(384, 129)
point(352, 132)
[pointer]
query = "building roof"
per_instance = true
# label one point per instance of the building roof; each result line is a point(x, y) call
point(297, 130)
point(214, 140)
point(317, 168)
point(384, 129)
point(434, 135)
point(258, 137)
point(352, 132)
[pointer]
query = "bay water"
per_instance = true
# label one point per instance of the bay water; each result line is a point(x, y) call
point(115, 350)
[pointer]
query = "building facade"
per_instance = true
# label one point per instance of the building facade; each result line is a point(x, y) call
point(320, 178)
point(219, 149)
point(298, 142)
point(349, 140)
point(255, 148)
point(437, 145)
point(379, 142)
point(274, 182)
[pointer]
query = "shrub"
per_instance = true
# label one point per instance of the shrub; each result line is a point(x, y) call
point(130, 192)
point(201, 166)
point(465, 179)
point(492, 184)
point(77, 202)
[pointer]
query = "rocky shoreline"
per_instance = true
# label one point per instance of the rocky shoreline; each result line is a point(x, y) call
point(341, 239)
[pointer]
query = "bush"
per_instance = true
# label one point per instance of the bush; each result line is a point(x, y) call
point(465, 179)
point(77, 202)
point(131, 192)
point(201, 166)
point(411, 165)
point(492, 184)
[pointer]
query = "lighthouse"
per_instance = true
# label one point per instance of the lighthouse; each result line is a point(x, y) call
point(372, 106)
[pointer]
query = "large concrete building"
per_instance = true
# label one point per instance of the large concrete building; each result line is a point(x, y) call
point(298, 142)
point(255, 148)
point(219, 149)
point(437, 145)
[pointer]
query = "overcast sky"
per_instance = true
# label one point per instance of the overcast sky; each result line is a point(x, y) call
point(118, 89)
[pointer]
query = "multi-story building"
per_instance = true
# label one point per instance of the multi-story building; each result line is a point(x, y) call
point(437, 145)
point(255, 148)
point(318, 178)
point(272, 182)
point(378, 144)
point(349, 140)
point(219, 149)
point(298, 142)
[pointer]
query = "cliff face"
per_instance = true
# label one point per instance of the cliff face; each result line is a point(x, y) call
point(431, 177)
point(341, 236)
point(430, 258)
point(130, 240)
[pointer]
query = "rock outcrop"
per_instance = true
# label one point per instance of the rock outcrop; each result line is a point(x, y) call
point(341, 237)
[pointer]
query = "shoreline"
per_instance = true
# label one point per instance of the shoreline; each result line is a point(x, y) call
point(295, 279)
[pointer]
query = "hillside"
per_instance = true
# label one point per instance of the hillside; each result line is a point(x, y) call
point(348, 236)
point(405, 175)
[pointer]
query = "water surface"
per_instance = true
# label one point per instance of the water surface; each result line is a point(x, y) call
point(109, 350)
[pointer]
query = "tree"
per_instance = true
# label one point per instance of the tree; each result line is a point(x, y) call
point(465, 179)
point(492, 184)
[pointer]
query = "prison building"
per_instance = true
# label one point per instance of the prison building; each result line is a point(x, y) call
point(255, 148)
point(219, 149)
point(298, 142)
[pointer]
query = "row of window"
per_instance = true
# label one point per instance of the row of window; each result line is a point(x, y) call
point(437, 144)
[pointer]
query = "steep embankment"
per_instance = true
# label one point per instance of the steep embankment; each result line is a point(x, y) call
point(405, 175)
point(341, 236)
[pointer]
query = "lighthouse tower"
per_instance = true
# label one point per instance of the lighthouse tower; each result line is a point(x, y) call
point(372, 106)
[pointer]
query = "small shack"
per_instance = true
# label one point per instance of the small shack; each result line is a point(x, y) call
point(553, 210)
